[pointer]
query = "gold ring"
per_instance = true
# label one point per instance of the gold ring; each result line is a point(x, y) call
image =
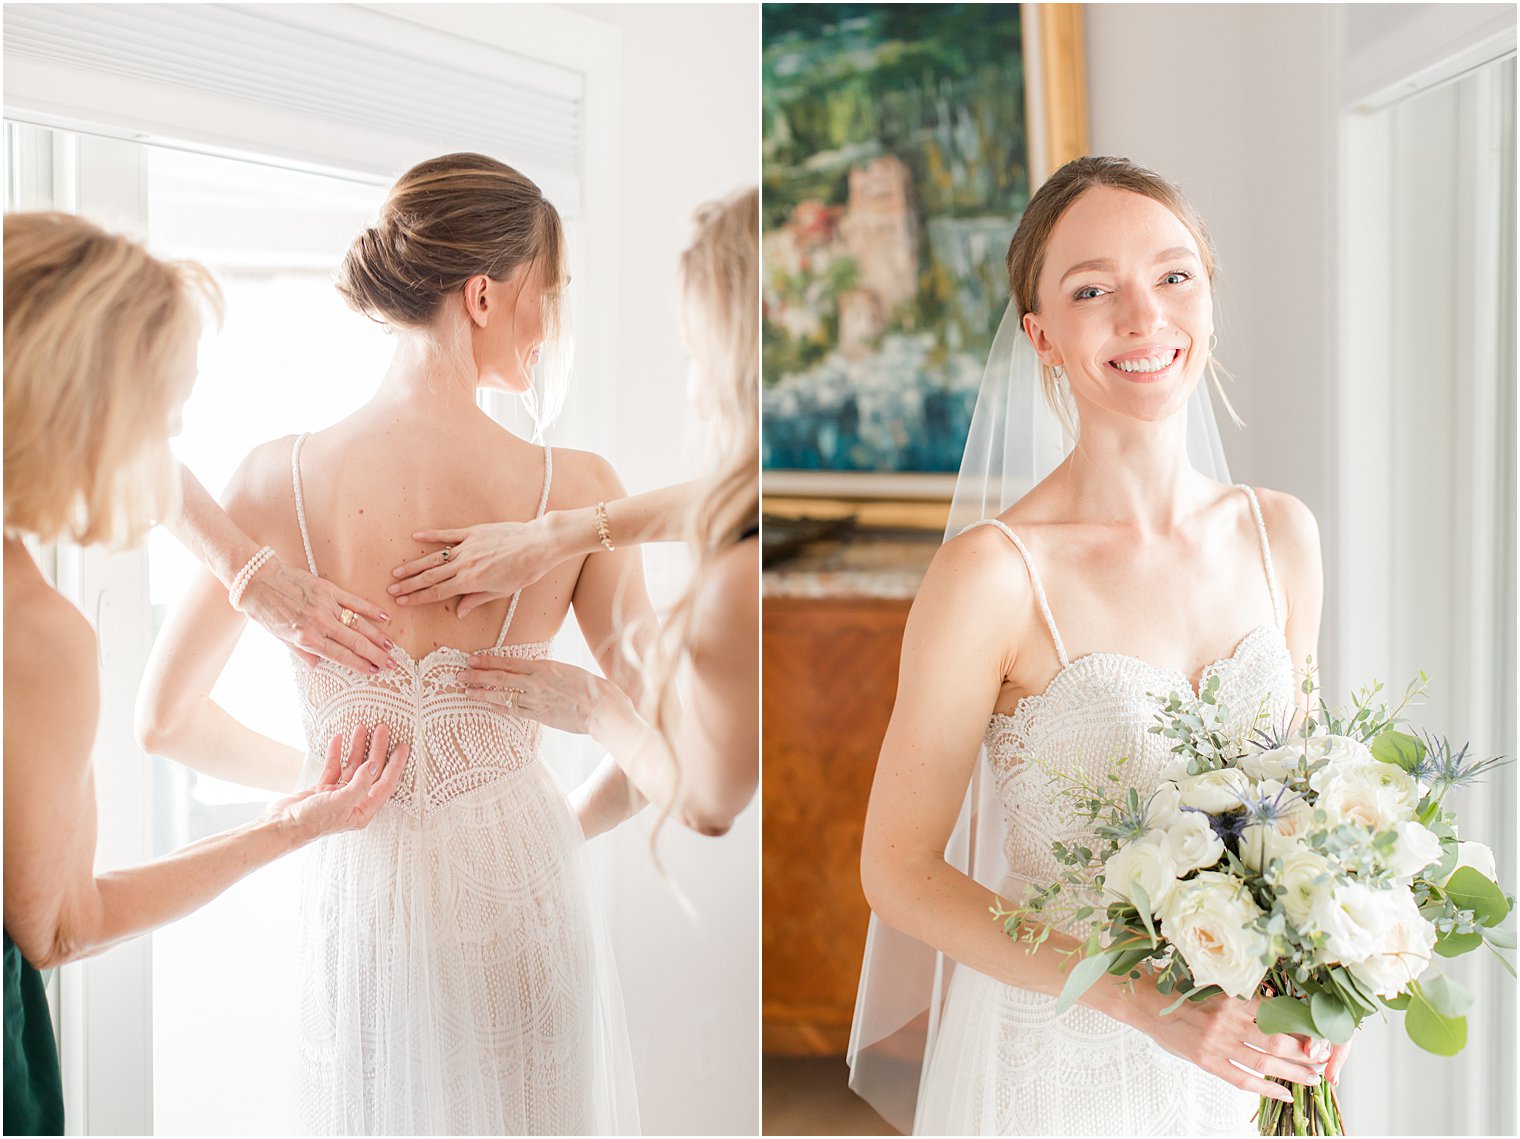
point(447, 550)
point(348, 617)
point(512, 695)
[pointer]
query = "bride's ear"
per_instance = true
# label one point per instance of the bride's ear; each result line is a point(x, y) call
point(1043, 347)
point(476, 301)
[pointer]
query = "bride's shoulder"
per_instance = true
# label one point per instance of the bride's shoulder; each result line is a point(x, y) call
point(979, 570)
point(582, 478)
point(1288, 521)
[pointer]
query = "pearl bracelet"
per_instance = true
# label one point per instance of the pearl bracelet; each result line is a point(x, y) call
point(245, 575)
point(602, 530)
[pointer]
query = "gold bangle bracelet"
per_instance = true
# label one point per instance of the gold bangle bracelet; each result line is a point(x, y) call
point(603, 532)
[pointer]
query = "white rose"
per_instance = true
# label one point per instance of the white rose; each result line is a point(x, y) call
point(1353, 922)
point(1340, 751)
point(1164, 807)
point(1305, 875)
point(1278, 763)
point(1376, 795)
point(1476, 855)
point(1193, 841)
point(1260, 842)
point(1145, 862)
point(1211, 920)
point(1408, 941)
point(1215, 791)
point(1415, 849)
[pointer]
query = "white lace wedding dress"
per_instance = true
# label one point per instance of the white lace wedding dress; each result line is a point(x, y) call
point(454, 975)
point(1003, 1062)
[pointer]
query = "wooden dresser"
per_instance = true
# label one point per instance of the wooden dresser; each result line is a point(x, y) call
point(832, 636)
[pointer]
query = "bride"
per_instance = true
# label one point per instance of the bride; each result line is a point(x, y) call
point(454, 976)
point(1037, 636)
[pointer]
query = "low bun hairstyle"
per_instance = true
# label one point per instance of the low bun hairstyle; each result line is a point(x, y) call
point(1026, 252)
point(446, 220)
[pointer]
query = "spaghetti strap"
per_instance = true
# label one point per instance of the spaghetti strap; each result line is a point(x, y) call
point(1034, 578)
point(1266, 554)
point(543, 503)
point(295, 482)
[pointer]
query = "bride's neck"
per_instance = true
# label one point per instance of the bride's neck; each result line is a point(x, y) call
point(1132, 473)
point(427, 377)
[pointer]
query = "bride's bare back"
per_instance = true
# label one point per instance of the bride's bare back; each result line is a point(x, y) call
point(390, 469)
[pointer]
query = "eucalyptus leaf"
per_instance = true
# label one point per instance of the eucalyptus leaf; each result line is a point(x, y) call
point(1143, 907)
point(1398, 1003)
point(1453, 944)
point(1398, 748)
point(1331, 1018)
point(1083, 977)
point(1286, 1014)
point(1446, 996)
point(1502, 938)
point(1470, 890)
point(1427, 1027)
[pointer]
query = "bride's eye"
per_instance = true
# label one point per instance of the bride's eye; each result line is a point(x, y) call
point(1180, 275)
point(1087, 293)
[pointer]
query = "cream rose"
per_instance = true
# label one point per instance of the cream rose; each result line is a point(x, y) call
point(1476, 855)
point(1374, 794)
point(1146, 862)
point(1215, 791)
point(1193, 841)
point(1262, 842)
point(1278, 763)
point(1352, 920)
point(1211, 920)
point(1408, 941)
point(1415, 849)
point(1305, 875)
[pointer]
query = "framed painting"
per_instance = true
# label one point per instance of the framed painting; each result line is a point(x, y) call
point(901, 142)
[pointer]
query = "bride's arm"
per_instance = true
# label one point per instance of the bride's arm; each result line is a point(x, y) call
point(176, 717)
point(1294, 536)
point(960, 642)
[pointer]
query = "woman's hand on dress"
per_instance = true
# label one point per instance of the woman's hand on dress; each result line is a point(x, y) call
point(483, 563)
point(1220, 1035)
point(352, 787)
point(306, 612)
point(552, 692)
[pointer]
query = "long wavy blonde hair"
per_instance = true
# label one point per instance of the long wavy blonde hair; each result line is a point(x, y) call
point(99, 357)
point(720, 309)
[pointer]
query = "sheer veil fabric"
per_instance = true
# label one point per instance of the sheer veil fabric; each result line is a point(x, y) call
point(1014, 442)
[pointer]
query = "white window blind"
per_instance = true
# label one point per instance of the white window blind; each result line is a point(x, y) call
point(327, 87)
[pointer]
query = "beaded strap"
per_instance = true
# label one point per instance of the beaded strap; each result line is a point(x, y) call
point(1034, 579)
point(245, 575)
point(1266, 553)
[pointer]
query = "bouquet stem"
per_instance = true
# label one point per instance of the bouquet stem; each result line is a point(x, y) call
point(1314, 1111)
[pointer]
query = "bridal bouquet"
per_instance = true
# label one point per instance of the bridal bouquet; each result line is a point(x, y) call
point(1316, 866)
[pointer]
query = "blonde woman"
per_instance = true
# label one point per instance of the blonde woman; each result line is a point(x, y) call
point(700, 766)
point(100, 345)
point(454, 976)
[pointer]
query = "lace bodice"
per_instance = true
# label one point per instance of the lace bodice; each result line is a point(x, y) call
point(1099, 708)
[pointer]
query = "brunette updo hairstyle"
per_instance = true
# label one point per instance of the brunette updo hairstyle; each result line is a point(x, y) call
point(1026, 253)
point(449, 219)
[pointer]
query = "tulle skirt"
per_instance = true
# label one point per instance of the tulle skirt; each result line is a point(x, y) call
point(1004, 1063)
point(456, 978)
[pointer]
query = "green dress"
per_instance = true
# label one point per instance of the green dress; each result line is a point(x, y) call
point(33, 1089)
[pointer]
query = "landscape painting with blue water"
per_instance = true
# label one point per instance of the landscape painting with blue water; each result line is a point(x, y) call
point(895, 169)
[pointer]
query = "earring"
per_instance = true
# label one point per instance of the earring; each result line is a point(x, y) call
point(1213, 342)
point(1059, 371)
